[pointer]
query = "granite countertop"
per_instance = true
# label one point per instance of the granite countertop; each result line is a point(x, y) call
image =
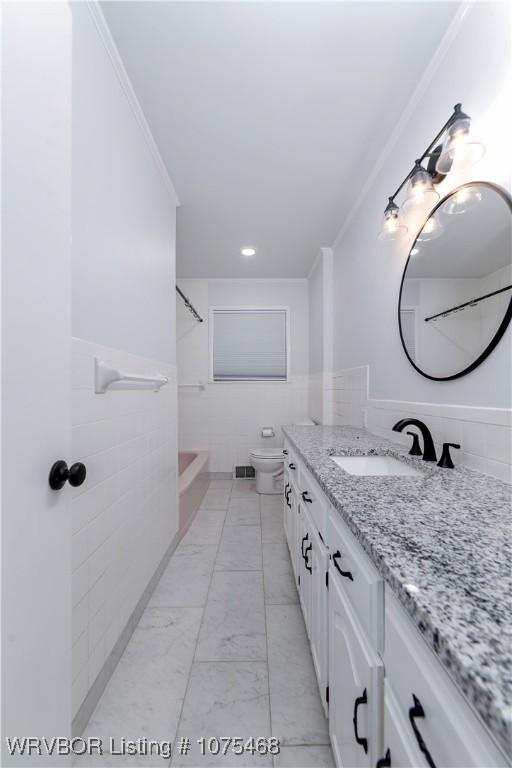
point(448, 533)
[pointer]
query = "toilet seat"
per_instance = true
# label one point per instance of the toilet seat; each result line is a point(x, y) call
point(271, 455)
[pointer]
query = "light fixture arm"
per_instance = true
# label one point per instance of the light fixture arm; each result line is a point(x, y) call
point(456, 115)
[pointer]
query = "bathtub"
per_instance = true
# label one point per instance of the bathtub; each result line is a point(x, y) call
point(192, 484)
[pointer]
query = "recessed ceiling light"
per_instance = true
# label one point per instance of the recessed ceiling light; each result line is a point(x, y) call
point(248, 251)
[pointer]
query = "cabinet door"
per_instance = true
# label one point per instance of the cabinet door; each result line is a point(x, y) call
point(399, 750)
point(319, 627)
point(355, 686)
point(304, 570)
point(287, 506)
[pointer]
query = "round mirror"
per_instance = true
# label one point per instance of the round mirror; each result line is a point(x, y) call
point(456, 293)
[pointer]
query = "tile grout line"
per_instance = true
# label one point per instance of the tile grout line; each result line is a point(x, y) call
point(202, 620)
point(266, 628)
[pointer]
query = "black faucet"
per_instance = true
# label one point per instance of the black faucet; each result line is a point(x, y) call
point(429, 452)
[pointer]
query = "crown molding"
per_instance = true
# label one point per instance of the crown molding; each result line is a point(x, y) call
point(126, 85)
point(434, 64)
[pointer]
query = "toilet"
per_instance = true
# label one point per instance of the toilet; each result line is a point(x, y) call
point(269, 466)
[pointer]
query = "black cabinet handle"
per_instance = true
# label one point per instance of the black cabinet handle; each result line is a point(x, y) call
point(414, 712)
point(285, 452)
point(346, 574)
point(292, 466)
point(361, 740)
point(59, 473)
point(306, 497)
point(308, 549)
point(304, 539)
point(384, 762)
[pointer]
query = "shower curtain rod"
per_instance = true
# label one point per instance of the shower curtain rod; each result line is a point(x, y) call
point(190, 306)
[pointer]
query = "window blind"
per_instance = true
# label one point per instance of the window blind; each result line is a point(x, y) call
point(249, 345)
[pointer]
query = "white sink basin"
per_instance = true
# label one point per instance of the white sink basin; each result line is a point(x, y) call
point(375, 465)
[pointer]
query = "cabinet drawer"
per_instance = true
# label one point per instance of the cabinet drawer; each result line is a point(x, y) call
point(361, 582)
point(451, 731)
point(312, 499)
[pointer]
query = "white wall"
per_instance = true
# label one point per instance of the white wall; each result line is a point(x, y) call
point(123, 211)
point(226, 417)
point(367, 272)
point(373, 382)
point(320, 294)
point(123, 298)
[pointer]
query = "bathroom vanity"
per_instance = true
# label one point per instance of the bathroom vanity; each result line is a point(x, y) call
point(404, 583)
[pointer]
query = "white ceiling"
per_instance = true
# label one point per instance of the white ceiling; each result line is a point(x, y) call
point(269, 115)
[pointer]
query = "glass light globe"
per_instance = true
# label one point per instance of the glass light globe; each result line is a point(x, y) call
point(431, 229)
point(392, 227)
point(461, 201)
point(420, 189)
point(460, 149)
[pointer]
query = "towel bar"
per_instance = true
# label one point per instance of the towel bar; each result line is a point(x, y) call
point(106, 377)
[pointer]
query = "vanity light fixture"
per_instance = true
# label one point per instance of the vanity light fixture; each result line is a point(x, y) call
point(393, 226)
point(248, 251)
point(453, 146)
point(431, 229)
point(463, 200)
point(459, 148)
point(420, 188)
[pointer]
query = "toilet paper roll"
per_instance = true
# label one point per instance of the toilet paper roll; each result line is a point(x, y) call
point(268, 432)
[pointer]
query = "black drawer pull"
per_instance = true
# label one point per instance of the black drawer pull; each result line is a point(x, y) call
point(346, 574)
point(384, 762)
point(304, 539)
point(361, 740)
point(292, 466)
point(285, 452)
point(305, 497)
point(414, 712)
point(308, 549)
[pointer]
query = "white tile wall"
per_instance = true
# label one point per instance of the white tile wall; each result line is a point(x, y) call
point(125, 514)
point(348, 396)
point(485, 434)
point(226, 418)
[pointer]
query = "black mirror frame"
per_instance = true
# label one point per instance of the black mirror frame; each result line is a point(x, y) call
point(506, 317)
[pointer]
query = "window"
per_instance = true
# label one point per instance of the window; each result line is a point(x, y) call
point(249, 344)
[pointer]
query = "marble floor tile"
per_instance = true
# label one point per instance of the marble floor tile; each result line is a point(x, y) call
point(243, 488)
point(184, 582)
point(220, 484)
point(233, 627)
point(239, 549)
point(271, 502)
point(243, 511)
point(272, 527)
point(225, 699)
point(297, 714)
point(144, 696)
point(207, 517)
point(304, 757)
point(216, 499)
point(278, 578)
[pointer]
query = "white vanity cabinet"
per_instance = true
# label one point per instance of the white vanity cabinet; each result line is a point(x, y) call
point(391, 703)
point(425, 708)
